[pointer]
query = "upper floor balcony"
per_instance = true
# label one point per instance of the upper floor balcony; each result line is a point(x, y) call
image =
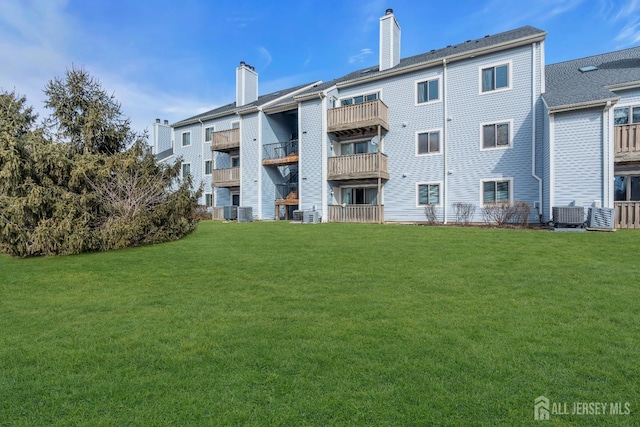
point(358, 166)
point(281, 153)
point(225, 140)
point(627, 142)
point(228, 177)
point(358, 119)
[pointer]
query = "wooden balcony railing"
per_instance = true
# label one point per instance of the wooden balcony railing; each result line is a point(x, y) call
point(358, 118)
point(356, 213)
point(358, 166)
point(627, 214)
point(225, 140)
point(627, 142)
point(229, 177)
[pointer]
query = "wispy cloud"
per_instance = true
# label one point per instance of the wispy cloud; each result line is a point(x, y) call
point(626, 16)
point(513, 13)
point(361, 56)
point(266, 56)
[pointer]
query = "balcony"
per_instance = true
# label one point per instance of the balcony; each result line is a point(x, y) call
point(358, 166)
point(627, 214)
point(225, 140)
point(281, 153)
point(229, 177)
point(358, 119)
point(627, 142)
point(356, 213)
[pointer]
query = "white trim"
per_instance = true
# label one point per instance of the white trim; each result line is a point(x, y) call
point(204, 167)
point(445, 130)
point(434, 101)
point(365, 93)
point(497, 147)
point(509, 64)
point(533, 128)
point(213, 129)
point(205, 199)
point(552, 161)
point(543, 87)
point(608, 170)
point(231, 123)
point(435, 153)
point(497, 179)
point(260, 167)
point(182, 138)
point(417, 189)
point(300, 159)
point(325, 160)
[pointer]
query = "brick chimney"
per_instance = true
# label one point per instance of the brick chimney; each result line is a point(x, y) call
point(389, 41)
point(246, 84)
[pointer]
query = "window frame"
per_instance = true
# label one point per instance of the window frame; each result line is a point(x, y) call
point(210, 162)
point(630, 110)
point(377, 92)
point(182, 144)
point(428, 131)
point(496, 123)
point(208, 200)
point(232, 158)
point(509, 180)
point(417, 93)
point(361, 187)
point(429, 183)
point(213, 129)
point(182, 169)
point(495, 65)
point(367, 140)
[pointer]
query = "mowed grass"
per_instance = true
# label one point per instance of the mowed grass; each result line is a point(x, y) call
point(330, 324)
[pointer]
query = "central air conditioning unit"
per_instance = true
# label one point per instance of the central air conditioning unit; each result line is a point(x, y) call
point(568, 215)
point(310, 217)
point(297, 215)
point(245, 214)
point(601, 218)
point(230, 213)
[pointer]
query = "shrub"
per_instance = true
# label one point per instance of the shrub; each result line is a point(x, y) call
point(501, 214)
point(464, 212)
point(431, 212)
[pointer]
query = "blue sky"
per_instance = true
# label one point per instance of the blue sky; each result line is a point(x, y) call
point(174, 59)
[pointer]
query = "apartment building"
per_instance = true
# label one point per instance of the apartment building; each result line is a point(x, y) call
point(479, 122)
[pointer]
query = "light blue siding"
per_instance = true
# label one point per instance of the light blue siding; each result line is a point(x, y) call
point(250, 161)
point(311, 162)
point(578, 158)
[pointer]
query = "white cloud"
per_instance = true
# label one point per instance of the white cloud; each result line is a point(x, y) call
point(625, 16)
point(514, 13)
point(266, 56)
point(361, 56)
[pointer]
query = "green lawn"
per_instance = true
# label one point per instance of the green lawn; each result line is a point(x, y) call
point(330, 324)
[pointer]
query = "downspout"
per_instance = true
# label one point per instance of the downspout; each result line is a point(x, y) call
point(259, 142)
point(607, 155)
point(445, 182)
point(533, 129)
point(325, 161)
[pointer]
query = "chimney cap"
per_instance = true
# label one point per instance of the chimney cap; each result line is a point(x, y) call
point(388, 11)
point(157, 120)
point(242, 63)
point(166, 122)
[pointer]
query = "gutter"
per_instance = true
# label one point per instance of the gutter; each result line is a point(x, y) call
point(581, 105)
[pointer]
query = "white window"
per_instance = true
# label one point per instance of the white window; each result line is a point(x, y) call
point(428, 193)
point(186, 138)
point(495, 135)
point(186, 169)
point(207, 167)
point(208, 134)
point(235, 161)
point(626, 115)
point(359, 99)
point(427, 142)
point(497, 191)
point(427, 91)
point(208, 200)
point(495, 77)
point(235, 125)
